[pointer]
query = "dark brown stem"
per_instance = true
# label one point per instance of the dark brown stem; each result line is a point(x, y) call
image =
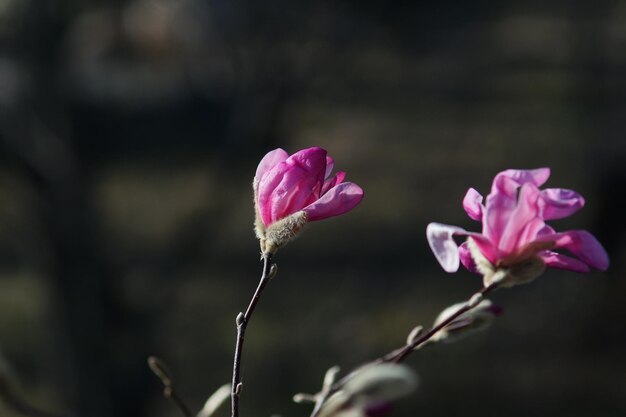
point(242, 323)
point(160, 370)
point(401, 354)
point(398, 355)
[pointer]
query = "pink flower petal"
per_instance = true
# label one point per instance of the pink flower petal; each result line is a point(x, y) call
point(557, 260)
point(312, 160)
point(508, 181)
point(584, 246)
point(330, 163)
point(525, 215)
point(266, 186)
point(338, 200)
point(290, 195)
point(330, 183)
point(488, 250)
point(472, 203)
point(466, 258)
point(269, 161)
point(442, 244)
point(503, 198)
point(529, 233)
point(286, 188)
point(545, 231)
point(496, 216)
point(560, 203)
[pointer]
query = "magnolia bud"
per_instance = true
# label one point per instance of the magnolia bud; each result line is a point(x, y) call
point(514, 271)
point(472, 321)
point(302, 398)
point(368, 391)
point(415, 333)
point(385, 381)
point(280, 233)
point(519, 273)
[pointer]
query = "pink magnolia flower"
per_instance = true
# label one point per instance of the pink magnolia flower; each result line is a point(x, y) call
point(515, 238)
point(290, 191)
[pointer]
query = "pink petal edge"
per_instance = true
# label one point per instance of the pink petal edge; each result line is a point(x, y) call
point(441, 242)
point(559, 203)
point(472, 203)
point(584, 246)
point(269, 161)
point(338, 200)
point(560, 261)
point(265, 190)
point(466, 258)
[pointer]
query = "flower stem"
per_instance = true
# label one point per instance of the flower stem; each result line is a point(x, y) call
point(242, 323)
point(401, 354)
point(398, 355)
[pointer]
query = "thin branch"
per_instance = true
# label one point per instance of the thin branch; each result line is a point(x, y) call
point(15, 402)
point(160, 370)
point(398, 355)
point(242, 322)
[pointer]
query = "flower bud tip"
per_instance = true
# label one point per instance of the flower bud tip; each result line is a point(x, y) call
point(475, 300)
point(414, 334)
point(273, 272)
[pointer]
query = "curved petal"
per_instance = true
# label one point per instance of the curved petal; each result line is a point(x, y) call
point(338, 200)
point(444, 247)
point(312, 160)
point(509, 180)
point(545, 231)
point(497, 213)
point(559, 203)
point(293, 191)
point(269, 161)
point(528, 234)
point(442, 244)
point(524, 222)
point(502, 199)
point(584, 246)
point(265, 189)
point(466, 258)
point(330, 183)
point(557, 260)
point(330, 163)
point(287, 187)
point(472, 203)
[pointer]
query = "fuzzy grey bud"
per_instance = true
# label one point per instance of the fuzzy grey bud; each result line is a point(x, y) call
point(414, 334)
point(370, 387)
point(474, 320)
point(280, 233)
point(522, 272)
point(273, 271)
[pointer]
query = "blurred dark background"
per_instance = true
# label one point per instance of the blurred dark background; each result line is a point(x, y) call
point(129, 134)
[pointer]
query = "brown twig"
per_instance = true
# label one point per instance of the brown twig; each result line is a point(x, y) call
point(14, 401)
point(398, 355)
point(242, 323)
point(160, 370)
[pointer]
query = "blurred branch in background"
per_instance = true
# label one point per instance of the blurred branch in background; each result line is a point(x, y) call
point(12, 399)
point(169, 391)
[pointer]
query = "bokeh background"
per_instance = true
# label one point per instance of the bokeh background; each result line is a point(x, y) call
point(129, 134)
